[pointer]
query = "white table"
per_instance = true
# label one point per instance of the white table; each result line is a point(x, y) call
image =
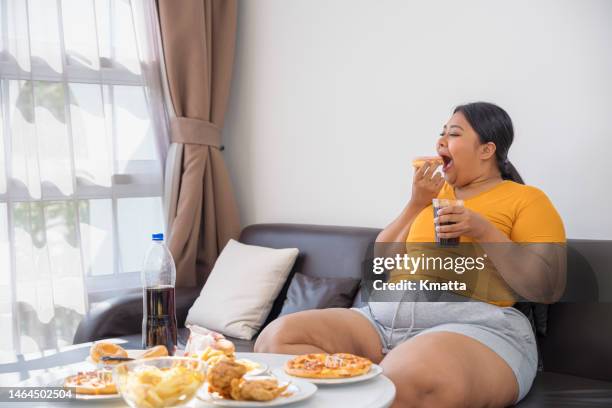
point(378, 392)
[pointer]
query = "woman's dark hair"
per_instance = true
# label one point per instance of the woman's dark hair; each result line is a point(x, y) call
point(493, 124)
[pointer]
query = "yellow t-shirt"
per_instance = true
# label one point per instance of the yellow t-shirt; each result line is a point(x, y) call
point(523, 213)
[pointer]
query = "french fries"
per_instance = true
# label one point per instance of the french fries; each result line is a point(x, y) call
point(212, 356)
point(153, 387)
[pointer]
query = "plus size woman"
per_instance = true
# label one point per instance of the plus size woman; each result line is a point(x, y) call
point(480, 352)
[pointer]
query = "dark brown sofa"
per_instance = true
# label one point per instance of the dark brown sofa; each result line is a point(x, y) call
point(576, 351)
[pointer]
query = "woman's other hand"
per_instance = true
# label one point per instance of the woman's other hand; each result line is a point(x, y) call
point(426, 184)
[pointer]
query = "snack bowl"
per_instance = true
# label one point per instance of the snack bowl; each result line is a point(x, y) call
point(159, 382)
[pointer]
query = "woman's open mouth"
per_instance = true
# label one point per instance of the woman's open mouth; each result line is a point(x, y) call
point(447, 162)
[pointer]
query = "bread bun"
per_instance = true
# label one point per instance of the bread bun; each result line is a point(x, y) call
point(157, 351)
point(420, 161)
point(103, 349)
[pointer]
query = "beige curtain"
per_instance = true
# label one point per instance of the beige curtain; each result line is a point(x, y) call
point(198, 38)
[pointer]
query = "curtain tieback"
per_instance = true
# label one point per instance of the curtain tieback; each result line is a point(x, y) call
point(195, 131)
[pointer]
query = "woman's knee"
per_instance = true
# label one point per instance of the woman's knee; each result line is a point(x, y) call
point(318, 331)
point(276, 334)
point(268, 339)
point(422, 385)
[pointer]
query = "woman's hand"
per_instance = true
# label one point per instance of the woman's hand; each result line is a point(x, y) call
point(467, 223)
point(426, 184)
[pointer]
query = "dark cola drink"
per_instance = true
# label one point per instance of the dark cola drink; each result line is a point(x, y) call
point(437, 205)
point(158, 303)
point(159, 320)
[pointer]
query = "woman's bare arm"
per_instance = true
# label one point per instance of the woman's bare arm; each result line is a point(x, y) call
point(535, 271)
point(426, 184)
point(398, 230)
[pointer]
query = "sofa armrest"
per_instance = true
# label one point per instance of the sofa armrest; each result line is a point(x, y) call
point(122, 315)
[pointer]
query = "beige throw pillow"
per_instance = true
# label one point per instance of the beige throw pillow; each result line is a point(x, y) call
point(241, 288)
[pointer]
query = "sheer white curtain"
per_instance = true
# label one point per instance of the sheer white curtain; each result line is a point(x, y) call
point(149, 42)
point(80, 161)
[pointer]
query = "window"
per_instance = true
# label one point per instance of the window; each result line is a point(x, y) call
point(80, 174)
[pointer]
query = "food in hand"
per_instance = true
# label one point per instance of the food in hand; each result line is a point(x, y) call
point(157, 351)
point(256, 389)
point(200, 339)
point(420, 161)
point(221, 374)
point(339, 365)
point(105, 349)
point(98, 382)
point(151, 386)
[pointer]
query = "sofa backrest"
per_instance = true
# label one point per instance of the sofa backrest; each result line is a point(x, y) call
point(325, 251)
point(579, 329)
point(578, 338)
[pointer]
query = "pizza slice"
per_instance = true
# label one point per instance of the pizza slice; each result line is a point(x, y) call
point(97, 382)
point(338, 365)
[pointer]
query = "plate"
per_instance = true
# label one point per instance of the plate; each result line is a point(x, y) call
point(85, 397)
point(59, 382)
point(375, 370)
point(136, 353)
point(300, 390)
point(262, 369)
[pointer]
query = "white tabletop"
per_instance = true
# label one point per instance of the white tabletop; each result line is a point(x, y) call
point(376, 392)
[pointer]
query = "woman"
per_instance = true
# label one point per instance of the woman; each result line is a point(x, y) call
point(454, 354)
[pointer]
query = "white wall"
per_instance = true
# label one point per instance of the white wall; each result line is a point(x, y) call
point(332, 98)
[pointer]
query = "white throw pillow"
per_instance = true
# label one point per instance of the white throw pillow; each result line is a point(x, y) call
point(241, 289)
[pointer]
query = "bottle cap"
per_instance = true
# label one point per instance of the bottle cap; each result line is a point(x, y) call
point(157, 237)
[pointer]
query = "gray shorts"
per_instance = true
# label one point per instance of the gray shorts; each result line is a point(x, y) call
point(504, 330)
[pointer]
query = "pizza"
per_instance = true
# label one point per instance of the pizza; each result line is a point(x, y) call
point(99, 382)
point(339, 365)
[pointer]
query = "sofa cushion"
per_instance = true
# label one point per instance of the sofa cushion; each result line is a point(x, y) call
point(240, 291)
point(567, 391)
point(325, 251)
point(311, 292)
point(579, 328)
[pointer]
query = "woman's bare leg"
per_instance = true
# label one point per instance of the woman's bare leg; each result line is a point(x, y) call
point(445, 369)
point(321, 331)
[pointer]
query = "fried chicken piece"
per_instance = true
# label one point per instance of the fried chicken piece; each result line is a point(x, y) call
point(221, 374)
point(256, 389)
